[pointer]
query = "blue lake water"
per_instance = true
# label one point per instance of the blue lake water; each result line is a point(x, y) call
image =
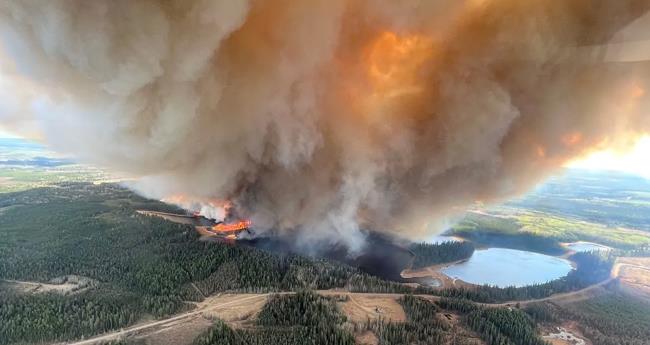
point(586, 246)
point(508, 267)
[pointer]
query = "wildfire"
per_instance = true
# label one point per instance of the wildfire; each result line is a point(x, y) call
point(241, 225)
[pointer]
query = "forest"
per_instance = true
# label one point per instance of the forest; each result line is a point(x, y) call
point(427, 323)
point(142, 265)
point(423, 325)
point(304, 318)
point(307, 318)
point(427, 254)
point(613, 318)
point(496, 326)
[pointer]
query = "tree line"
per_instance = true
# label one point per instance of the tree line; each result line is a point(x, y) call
point(304, 318)
point(423, 324)
point(427, 254)
point(592, 268)
point(426, 324)
point(496, 326)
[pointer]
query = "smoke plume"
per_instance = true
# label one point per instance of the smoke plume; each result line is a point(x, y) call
point(325, 116)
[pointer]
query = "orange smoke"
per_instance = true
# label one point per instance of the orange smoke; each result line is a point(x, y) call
point(182, 199)
point(572, 139)
point(394, 61)
point(177, 199)
point(311, 114)
point(637, 92)
point(207, 207)
point(631, 96)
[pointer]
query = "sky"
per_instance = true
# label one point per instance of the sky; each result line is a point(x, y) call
point(5, 134)
point(636, 161)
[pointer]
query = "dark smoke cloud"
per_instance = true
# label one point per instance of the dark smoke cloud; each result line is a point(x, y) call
point(322, 115)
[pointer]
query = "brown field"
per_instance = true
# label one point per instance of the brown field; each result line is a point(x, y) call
point(237, 310)
point(359, 308)
point(634, 274)
point(240, 311)
point(236, 315)
point(63, 285)
point(182, 332)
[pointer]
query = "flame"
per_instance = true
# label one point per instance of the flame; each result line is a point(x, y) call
point(198, 208)
point(241, 225)
point(541, 151)
point(394, 63)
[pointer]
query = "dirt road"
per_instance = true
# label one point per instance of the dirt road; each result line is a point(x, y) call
point(578, 294)
point(154, 324)
point(210, 305)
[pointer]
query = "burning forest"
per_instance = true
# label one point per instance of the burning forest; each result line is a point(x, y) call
point(323, 117)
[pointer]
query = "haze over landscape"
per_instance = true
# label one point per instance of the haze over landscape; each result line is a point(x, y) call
point(325, 172)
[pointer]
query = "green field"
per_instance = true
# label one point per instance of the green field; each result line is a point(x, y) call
point(25, 165)
point(538, 227)
point(14, 179)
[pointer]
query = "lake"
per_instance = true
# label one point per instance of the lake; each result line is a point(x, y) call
point(508, 267)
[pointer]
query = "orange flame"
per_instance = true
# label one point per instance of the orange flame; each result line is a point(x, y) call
point(241, 225)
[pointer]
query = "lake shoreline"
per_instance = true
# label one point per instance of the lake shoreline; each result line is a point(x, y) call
point(437, 271)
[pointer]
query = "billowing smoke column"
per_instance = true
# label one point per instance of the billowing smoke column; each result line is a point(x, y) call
point(325, 115)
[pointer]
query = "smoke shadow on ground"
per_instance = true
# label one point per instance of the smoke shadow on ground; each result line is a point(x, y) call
point(382, 256)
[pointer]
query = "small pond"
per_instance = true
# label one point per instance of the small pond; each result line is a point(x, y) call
point(508, 267)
